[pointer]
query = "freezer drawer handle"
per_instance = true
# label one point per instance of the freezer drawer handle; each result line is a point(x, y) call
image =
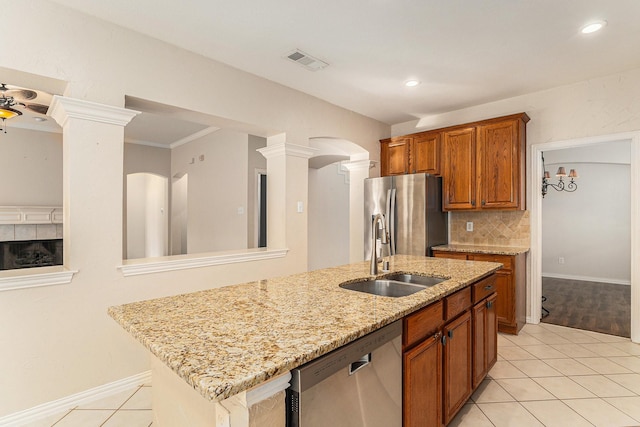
point(359, 364)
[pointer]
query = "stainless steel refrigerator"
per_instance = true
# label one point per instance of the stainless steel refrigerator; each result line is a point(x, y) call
point(412, 207)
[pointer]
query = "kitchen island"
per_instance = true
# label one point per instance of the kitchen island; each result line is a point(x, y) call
point(226, 342)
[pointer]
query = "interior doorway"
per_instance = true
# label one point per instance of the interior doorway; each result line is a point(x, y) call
point(147, 215)
point(535, 288)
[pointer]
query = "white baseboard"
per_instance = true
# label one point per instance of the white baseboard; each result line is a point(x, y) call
point(67, 403)
point(587, 278)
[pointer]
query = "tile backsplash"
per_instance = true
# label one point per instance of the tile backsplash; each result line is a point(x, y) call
point(500, 228)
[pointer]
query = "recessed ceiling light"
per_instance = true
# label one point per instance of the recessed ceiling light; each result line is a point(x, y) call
point(593, 27)
point(39, 119)
point(411, 83)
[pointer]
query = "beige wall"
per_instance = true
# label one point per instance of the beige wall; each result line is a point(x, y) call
point(61, 339)
point(30, 168)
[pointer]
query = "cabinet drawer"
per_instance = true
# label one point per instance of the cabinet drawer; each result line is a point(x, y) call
point(457, 303)
point(505, 260)
point(421, 324)
point(483, 288)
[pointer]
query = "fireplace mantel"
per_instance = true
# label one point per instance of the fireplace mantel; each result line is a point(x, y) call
point(30, 215)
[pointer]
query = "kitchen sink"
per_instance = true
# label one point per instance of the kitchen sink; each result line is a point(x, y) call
point(415, 279)
point(395, 285)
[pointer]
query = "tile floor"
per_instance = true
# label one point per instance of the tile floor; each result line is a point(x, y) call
point(548, 375)
point(551, 375)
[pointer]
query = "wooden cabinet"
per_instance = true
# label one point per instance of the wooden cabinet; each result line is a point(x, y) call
point(510, 286)
point(417, 153)
point(485, 344)
point(484, 165)
point(457, 365)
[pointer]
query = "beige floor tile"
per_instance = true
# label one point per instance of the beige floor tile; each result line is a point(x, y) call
point(554, 413)
point(80, 417)
point(602, 386)
point(504, 369)
point(631, 348)
point(491, 391)
point(532, 329)
point(544, 351)
point(523, 389)
point(509, 415)
point(570, 367)
point(504, 341)
point(605, 337)
point(600, 413)
point(564, 388)
point(630, 362)
point(536, 368)
point(114, 401)
point(574, 350)
point(130, 418)
point(630, 381)
point(524, 339)
point(605, 350)
point(578, 337)
point(140, 400)
point(549, 337)
point(628, 405)
point(470, 416)
point(514, 353)
point(603, 366)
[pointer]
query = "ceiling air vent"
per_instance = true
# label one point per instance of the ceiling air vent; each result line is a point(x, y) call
point(307, 61)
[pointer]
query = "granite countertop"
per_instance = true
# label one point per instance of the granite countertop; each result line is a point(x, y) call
point(225, 340)
point(482, 249)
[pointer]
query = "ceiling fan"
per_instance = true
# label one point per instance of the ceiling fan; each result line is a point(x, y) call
point(12, 100)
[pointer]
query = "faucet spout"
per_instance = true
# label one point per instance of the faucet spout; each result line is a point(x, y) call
point(374, 240)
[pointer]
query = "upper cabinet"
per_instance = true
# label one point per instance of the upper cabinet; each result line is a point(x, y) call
point(459, 170)
point(415, 153)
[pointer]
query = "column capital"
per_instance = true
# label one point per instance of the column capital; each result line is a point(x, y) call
point(286, 149)
point(354, 165)
point(63, 108)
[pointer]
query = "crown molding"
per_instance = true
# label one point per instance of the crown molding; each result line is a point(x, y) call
point(285, 149)
point(355, 165)
point(63, 108)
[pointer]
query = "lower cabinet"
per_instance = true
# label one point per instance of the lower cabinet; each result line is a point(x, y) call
point(457, 364)
point(448, 349)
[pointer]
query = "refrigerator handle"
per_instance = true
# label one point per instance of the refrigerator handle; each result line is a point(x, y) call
point(391, 226)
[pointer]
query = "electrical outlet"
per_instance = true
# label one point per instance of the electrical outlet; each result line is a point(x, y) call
point(469, 226)
point(561, 260)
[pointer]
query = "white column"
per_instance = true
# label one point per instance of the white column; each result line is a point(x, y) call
point(93, 146)
point(287, 196)
point(358, 172)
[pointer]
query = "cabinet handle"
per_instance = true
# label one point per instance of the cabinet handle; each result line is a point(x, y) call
point(488, 287)
point(473, 203)
point(444, 340)
point(483, 203)
point(450, 333)
point(489, 304)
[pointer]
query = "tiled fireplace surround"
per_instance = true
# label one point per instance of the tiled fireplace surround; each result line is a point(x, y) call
point(30, 245)
point(13, 232)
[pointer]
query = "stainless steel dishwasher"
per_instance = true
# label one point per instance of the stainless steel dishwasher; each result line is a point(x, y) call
point(358, 385)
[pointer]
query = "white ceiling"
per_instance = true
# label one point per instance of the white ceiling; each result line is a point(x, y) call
point(464, 52)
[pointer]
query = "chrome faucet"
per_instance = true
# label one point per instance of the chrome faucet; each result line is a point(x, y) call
point(374, 240)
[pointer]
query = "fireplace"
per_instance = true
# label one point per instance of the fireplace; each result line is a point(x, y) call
point(31, 253)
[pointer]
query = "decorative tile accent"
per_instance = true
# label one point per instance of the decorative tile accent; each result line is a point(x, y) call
point(7, 233)
point(26, 232)
point(45, 231)
point(500, 228)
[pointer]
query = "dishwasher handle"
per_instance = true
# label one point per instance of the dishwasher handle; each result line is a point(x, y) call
point(359, 364)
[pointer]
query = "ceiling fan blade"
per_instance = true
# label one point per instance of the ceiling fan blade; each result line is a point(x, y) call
point(38, 108)
point(22, 94)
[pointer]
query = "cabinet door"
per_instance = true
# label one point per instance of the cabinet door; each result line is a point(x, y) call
point(459, 169)
point(499, 165)
point(485, 329)
point(451, 255)
point(505, 309)
point(425, 155)
point(423, 384)
point(457, 365)
point(394, 156)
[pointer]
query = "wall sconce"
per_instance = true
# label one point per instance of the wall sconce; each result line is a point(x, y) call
point(569, 187)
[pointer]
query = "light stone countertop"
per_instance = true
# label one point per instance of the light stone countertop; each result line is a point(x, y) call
point(482, 249)
point(225, 340)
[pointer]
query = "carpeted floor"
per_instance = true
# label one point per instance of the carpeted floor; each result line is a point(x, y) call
point(592, 306)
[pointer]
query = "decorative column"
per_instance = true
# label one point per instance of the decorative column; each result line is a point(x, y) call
point(287, 196)
point(358, 172)
point(93, 147)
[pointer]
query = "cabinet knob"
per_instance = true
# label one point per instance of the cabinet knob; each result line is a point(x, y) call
point(443, 340)
point(450, 333)
point(488, 287)
point(483, 203)
point(489, 304)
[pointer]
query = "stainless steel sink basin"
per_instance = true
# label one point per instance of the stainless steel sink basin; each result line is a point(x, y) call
point(393, 285)
point(415, 279)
